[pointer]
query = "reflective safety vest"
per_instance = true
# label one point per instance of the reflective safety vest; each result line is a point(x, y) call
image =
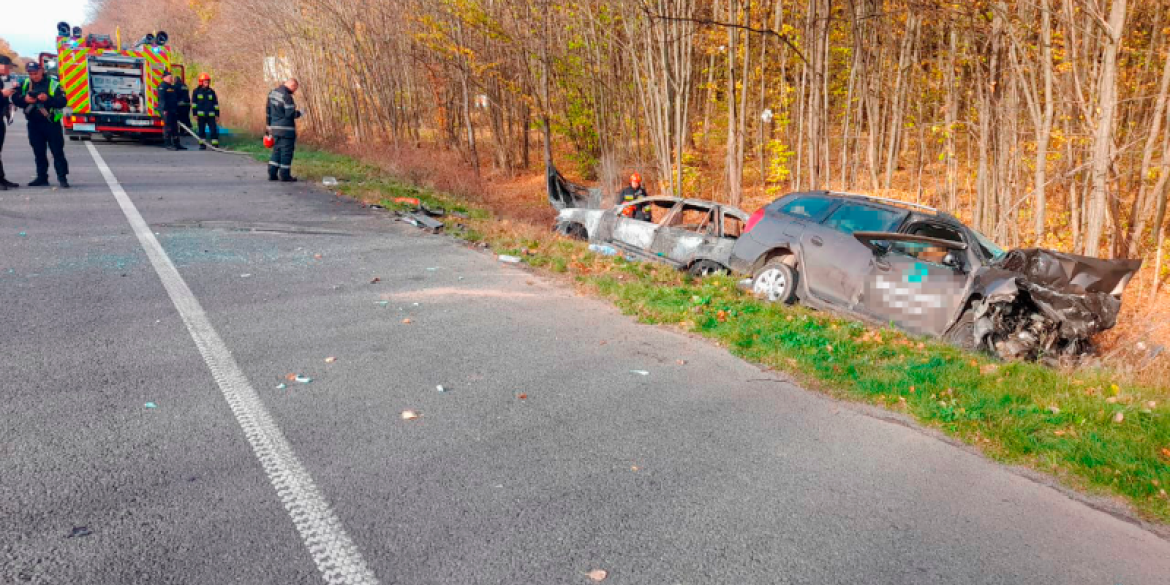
point(54, 114)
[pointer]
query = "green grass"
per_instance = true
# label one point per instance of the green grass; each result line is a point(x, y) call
point(1053, 421)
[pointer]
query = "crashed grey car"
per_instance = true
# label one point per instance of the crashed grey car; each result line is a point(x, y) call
point(926, 272)
point(689, 234)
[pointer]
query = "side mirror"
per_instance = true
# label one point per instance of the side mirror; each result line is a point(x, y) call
point(952, 260)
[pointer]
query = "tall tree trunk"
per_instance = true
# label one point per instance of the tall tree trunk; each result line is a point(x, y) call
point(1142, 204)
point(1044, 131)
point(1103, 136)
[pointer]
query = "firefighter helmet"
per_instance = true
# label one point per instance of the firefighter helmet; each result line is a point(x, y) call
point(269, 141)
point(204, 77)
point(636, 178)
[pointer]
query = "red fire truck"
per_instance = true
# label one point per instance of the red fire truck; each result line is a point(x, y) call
point(111, 89)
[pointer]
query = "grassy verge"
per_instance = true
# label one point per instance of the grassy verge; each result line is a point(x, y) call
point(1088, 429)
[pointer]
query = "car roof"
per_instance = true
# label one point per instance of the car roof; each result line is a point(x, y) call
point(916, 208)
point(701, 202)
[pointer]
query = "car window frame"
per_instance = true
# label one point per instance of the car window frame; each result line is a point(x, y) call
point(832, 203)
point(894, 228)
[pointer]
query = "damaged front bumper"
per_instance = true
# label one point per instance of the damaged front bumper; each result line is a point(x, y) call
point(1046, 306)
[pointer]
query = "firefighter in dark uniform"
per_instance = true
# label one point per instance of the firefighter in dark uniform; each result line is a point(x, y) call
point(280, 122)
point(42, 99)
point(184, 107)
point(168, 104)
point(634, 191)
point(206, 111)
point(8, 89)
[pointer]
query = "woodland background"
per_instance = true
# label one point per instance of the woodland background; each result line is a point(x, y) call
point(1040, 122)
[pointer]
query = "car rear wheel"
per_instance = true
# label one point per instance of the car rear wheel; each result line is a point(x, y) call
point(706, 268)
point(962, 333)
point(775, 281)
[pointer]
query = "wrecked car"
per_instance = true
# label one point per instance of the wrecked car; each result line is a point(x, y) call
point(923, 270)
point(689, 234)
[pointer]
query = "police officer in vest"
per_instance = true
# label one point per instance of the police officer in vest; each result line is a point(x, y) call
point(280, 122)
point(7, 90)
point(168, 105)
point(206, 111)
point(42, 100)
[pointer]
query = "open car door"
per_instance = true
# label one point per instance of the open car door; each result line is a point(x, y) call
point(916, 282)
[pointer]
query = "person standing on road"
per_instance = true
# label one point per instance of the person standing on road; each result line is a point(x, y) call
point(280, 122)
point(42, 99)
point(206, 111)
point(8, 88)
point(184, 108)
point(632, 192)
point(168, 104)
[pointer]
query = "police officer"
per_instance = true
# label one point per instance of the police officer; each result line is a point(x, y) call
point(632, 192)
point(168, 104)
point(280, 122)
point(184, 107)
point(8, 88)
point(42, 100)
point(206, 111)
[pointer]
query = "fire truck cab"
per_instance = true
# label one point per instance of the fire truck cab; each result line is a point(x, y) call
point(111, 90)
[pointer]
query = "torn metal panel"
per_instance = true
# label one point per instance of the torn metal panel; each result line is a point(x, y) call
point(422, 221)
point(563, 194)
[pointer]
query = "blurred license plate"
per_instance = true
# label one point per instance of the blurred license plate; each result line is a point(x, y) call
point(85, 128)
point(138, 122)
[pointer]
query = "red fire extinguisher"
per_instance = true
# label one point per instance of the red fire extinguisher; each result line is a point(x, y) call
point(269, 141)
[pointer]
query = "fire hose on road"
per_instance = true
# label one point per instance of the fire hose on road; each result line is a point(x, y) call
point(208, 144)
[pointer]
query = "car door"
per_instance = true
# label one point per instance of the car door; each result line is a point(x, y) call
point(916, 282)
point(638, 235)
point(834, 264)
point(689, 228)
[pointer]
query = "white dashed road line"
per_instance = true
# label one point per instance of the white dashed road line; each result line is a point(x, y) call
point(336, 555)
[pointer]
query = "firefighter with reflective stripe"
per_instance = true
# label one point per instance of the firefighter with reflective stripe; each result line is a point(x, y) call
point(168, 105)
point(42, 99)
point(184, 107)
point(280, 122)
point(206, 111)
point(633, 192)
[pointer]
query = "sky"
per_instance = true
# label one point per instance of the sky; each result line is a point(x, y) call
point(31, 26)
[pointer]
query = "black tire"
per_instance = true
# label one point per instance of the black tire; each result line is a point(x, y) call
point(775, 281)
point(573, 230)
point(706, 268)
point(962, 333)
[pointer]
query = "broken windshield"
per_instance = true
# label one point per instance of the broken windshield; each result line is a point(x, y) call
point(988, 247)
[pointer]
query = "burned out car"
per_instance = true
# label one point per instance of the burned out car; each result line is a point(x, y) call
point(689, 234)
point(926, 272)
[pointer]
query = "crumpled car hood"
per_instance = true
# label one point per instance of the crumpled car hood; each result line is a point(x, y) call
point(1047, 305)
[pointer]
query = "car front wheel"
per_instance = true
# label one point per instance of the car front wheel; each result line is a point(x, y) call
point(962, 333)
point(775, 281)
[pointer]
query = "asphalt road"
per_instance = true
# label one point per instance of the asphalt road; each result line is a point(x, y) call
point(705, 472)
